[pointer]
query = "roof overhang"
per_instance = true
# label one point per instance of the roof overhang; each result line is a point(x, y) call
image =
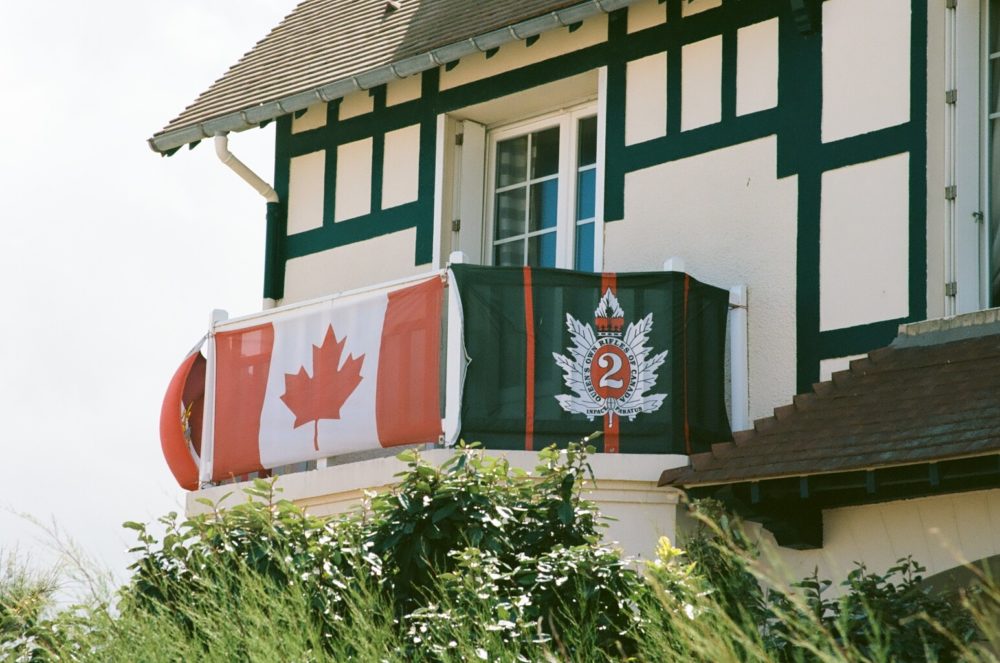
point(791, 508)
point(168, 142)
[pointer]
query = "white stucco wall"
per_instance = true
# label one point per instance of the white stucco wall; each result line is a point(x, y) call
point(733, 222)
point(757, 67)
point(941, 532)
point(625, 489)
point(372, 261)
point(353, 195)
point(864, 243)
point(518, 54)
point(401, 166)
point(402, 90)
point(305, 191)
point(701, 83)
point(646, 14)
point(646, 98)
point(313, 118)
point(866, 66)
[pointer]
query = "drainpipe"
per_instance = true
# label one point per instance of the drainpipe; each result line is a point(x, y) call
point(254, 180)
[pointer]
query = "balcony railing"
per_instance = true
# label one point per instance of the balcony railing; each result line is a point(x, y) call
point(191, 424)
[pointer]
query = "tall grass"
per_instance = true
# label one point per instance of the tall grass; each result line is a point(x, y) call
point(265, 582)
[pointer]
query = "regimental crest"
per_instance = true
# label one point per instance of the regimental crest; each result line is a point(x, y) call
point(610, 371)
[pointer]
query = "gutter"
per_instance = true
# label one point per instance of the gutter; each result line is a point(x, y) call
point(170, 141)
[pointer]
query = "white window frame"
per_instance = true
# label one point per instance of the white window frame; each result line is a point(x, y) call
point(568, 122)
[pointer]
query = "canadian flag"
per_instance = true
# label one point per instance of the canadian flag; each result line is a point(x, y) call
point(329, 378)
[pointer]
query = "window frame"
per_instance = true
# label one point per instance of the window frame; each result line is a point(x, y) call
point(568, 121)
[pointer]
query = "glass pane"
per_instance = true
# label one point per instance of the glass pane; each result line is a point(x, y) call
point(510, 254)
point(509, 213)
point(512, 161)
point(994, 212)
point(544, 201)
point(587, 149)
point(545, 153)
point(994, 11)
point(994, 101)
point(585, 247)
point(542, 250)
point(585, 194)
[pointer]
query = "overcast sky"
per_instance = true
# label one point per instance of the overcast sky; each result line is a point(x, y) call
point(111, 256)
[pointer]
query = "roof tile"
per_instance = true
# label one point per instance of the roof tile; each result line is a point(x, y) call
point(897, 406)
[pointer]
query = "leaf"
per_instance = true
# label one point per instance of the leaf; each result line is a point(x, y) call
point(322, 395)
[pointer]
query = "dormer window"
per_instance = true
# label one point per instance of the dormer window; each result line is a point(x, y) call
point(543, 185)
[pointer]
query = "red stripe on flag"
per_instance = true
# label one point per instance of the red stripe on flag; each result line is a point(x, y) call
point(612, 428)
point(687, 427)
point(529, 367)
point(242, 363)
point(408, 391)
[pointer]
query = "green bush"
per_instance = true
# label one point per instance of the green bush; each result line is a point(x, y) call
point(475, 561)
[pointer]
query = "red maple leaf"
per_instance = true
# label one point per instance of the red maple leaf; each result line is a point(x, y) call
point(322, 395)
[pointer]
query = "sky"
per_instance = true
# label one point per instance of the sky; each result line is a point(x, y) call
point(111, 257)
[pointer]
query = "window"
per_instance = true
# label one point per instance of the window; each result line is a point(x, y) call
point(991, 124)
point(543, 191)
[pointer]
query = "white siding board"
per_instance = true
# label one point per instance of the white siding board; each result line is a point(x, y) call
point(864, 243)
point(355, 104)
point(402, 90)
point(646, 14)
point(866, 66)
point(313, 118)
point(701, 83)
point(518, 54)
point(757, 67)
point(354, 180)
point(401, 166)
point(305, 191)
point(356, 265)
point(646, 98)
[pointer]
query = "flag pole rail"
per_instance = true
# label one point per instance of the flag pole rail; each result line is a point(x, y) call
point(270, 314)
point(739, 349)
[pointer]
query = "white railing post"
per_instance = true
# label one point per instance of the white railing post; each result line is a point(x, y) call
point(673, 264)
point(739, 359)
point(454, 358)
point(208, 418)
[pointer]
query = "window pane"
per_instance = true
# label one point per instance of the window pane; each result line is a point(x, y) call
point(994, 40)
point(585, 247)
point(545, 153)
point(510, 254)
point(512, 161)
point(542, 250)
point(544, 203)
point(510, 207)
point(585, 194)
point(587, 149)
point(994, 102)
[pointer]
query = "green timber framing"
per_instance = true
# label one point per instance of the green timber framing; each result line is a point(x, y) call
point(791, 508)
point(795, 121)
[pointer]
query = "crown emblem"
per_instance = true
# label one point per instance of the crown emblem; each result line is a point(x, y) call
point(609, 318)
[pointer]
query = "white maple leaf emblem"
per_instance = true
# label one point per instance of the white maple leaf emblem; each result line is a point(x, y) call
point(625, 369)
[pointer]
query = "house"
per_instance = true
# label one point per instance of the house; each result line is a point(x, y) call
point(830, 163)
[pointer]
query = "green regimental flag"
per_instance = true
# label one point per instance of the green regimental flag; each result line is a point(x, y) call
point(555, 355)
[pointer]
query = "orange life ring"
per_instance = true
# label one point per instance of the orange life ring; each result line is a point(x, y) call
point(181, 419)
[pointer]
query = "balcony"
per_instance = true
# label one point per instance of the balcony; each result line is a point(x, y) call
point(513, 358)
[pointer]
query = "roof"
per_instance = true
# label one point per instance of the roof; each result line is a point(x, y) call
point(933, 395)
point(326, 49)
